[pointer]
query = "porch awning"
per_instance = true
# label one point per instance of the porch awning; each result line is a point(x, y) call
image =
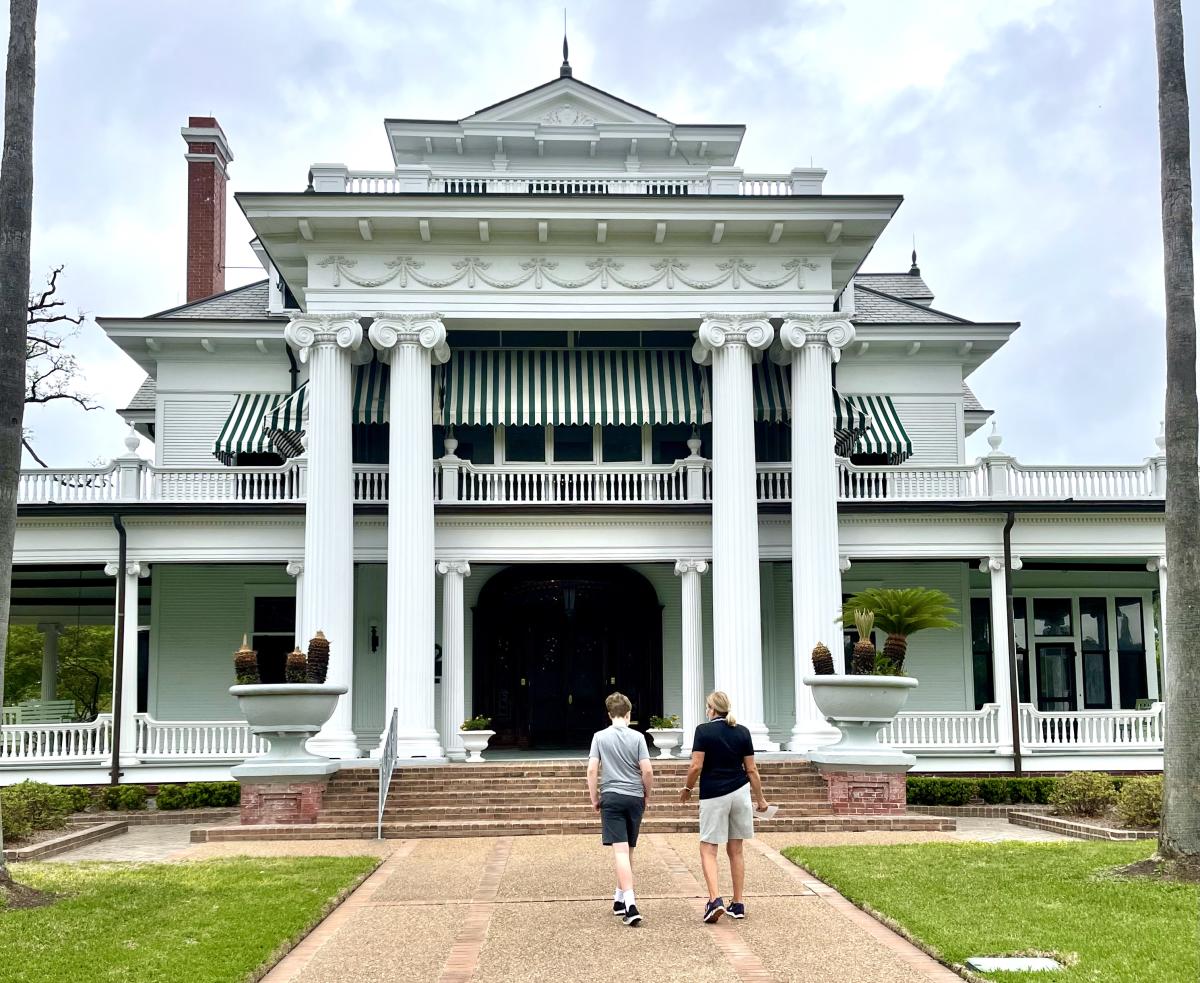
point(887, 434)
point(571, 387)
point(773, 404)
point(243, 431)
point(284, 424)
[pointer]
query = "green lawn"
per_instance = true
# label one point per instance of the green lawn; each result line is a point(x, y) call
point(214, 921)
point(974, 899)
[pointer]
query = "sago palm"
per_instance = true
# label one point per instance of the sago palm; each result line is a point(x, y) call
point(902, 612)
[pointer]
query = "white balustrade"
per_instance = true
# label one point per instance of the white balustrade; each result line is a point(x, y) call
point(611, 484)
point(1081, 482)
point(372, 182)
point(774, 482)
point(571, 184)
point(59, 742)
point(891, 484)
point(948, 730)
point(274, 484)
point(198, 739)
point(57, 485)
point(370, 483)
point(765, 184)
point(1091, 729)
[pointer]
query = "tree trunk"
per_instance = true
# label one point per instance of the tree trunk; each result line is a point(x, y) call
point(16, 219)
point(1179, 837)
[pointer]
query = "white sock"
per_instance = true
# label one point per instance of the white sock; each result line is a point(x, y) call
point(618, 895)
point(629, 898)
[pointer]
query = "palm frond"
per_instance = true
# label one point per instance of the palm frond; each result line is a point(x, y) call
point(903, 611)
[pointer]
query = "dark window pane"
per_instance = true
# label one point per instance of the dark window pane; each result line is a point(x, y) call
point(607, 339)
point(669, 442)
point(1093, 623)
point(525, 443)
point(1131, 667)
point(272, 656)
point(573, 443)
point(1056, 677)
point(473, 339)
point(1129, 623)
point(1052, 616)
point(981, 624)
point(535, 339)
point(667, 339)
point(621, 443)
point(1096, 692)
point(370, 443)
point(274, 614)
point(985, 689)
point(1023, 677)
point(772, 441)
point(476, 444)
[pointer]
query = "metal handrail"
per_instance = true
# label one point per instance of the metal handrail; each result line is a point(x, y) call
point(387, 762)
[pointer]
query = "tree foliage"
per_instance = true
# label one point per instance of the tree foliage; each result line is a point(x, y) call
point(85, 659)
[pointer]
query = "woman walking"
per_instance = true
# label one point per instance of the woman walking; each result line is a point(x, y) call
point(723, 760)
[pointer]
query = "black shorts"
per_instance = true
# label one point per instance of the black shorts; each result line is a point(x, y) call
point(621, 817)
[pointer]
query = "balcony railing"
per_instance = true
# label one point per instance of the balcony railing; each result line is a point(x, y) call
point(1107, 730)
point(172, 740)
point(945, 730)
point(57, 742)
point(686, 481)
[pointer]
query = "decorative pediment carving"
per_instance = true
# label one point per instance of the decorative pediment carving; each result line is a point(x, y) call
point(567, 114)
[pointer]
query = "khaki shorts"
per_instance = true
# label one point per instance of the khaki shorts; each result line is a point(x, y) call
point(727, 817)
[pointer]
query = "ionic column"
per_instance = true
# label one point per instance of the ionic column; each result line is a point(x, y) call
point(811, 343)
point(128, 676)
point(1158, 565)
point(1001, 663)
point(692, 669)
point(325, 594)
point(411, 343)
point(730, 343)
point(295, 570)
point(453, 696)
point(50, 631)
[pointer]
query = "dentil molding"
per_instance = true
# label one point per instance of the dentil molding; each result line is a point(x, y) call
point(605, 271)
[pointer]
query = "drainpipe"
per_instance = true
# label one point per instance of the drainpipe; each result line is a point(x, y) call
point(1013, 689)
point(293, 368)
point(114, 777)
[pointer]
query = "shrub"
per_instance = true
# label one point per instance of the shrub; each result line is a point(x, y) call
point(1140, 802)
point(198, 795)
point(44, 806)
point(995, 791)
point(123, 797)
point(80, 796)
point(1083, 793)
point(940, 791)
point(14, 817)
point(170, 797)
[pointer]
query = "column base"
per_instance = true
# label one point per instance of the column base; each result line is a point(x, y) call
point(761, 738)
point(417, 744)
point(338, 744)
point(456, 753)
point(809, 737)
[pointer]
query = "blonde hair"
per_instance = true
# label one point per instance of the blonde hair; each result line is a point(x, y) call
point(720, 704)
point(618, 705)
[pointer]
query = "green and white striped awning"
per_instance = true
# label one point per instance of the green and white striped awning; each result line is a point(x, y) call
point(371, 392)
point(284, 425)
point(243, 432)
point(519, 388)
point(773, 404)
point(887, 434)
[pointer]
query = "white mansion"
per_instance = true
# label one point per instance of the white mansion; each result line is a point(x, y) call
point(566, 402)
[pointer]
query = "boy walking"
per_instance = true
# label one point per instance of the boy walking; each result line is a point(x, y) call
point(619, 762)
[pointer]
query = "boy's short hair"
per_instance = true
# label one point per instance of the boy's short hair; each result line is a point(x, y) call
point(618, 705)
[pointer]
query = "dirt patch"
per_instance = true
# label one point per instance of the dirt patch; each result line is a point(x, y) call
point(1163, 870)
point(18, 896)
point(1108, 819)
point(36, 837)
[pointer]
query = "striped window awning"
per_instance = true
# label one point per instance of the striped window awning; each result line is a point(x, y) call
point(285, 424)
point(518, 388)
point(887, 434)
point(773, 404)
point(243, 431)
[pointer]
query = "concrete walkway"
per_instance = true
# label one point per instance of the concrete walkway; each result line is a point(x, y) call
point(505, 910)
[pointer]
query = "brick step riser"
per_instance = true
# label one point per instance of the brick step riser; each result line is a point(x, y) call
point(574, 788)
point(574, 781)
point(441, 802)
point(499, 773)
point(549, 815)
point(371, 805)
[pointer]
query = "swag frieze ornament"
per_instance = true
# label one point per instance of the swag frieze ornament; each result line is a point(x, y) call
point(602, 271)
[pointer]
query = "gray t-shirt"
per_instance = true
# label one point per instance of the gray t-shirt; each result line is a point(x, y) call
point(619, 750)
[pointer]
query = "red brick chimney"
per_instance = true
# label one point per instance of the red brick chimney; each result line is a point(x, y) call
point(208, 156)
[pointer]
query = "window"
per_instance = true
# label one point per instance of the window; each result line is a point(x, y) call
point(1093, 630)
point(573, 443)
point(667, 339)
point(607, 339)
point(1021, 639)
point(772, 441)
point(981, 651)
point(370, 443)
point(476, 444)
point(1131, 652)
point(473, 339)
point(526, 444)
point(668, 441)
point(1052, 617)
point(535, 339)
point(273, 634)
point(621, 444)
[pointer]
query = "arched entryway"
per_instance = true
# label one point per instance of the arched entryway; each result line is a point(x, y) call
point(551, 641)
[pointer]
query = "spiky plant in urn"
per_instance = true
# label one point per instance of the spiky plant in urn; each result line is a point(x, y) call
point(863, 658)
point(296, 670)
point(245, 664)
point(318, 658)
point(822, 660)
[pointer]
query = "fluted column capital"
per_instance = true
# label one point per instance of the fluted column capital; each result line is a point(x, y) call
point(690, 566)
point(994, 564)
point(307, 331)
point(135, 568)
point(830, 329)
point(295, 568)
point(718, 331)
point(1157, 564)
point(460, 568)
point(388, 331)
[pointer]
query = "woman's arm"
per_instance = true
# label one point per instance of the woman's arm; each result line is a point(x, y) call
point(693, 773)
point(760, 800)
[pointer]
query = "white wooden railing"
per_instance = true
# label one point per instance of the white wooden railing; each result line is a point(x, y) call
point(63, 742)
point(1091, 729)
point(948, 730)
point(881, 484)
point(774, 482)
point(68, 485)
point(272, 484)
point(199, 739)
point(765, 184)
point(372, 182)
point(1075, 482)
point(610, 484)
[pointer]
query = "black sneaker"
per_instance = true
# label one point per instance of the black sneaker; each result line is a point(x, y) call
point(619, 908)
point(714, 910)
point(632, 916)
point(736, 910)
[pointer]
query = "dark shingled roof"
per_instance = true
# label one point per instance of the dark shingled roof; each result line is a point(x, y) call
point(872, 306)
point(246, 303)
point(971, 402)
point(143, 399)
point(908, 286)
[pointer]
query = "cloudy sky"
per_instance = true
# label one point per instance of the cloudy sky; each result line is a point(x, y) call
point(1022, 134)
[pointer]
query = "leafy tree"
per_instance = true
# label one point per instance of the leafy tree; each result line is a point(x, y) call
point(85, 663)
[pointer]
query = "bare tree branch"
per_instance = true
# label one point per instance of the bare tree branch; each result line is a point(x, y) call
point(32, 453)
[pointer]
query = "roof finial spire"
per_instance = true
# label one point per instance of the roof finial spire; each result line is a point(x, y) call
point(565, 70)
point(914, 270)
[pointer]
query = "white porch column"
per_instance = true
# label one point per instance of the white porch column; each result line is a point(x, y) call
point(1158, 565)
point(812, 343)
point(325, 594)
point(50, 631)
point(453, 696)
point(1001, 663)
point(730, 342)
point(127, 752)
point(411, 343)
point(295, 570)
point(692, 674)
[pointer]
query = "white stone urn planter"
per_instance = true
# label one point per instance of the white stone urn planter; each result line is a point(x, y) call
point(859, 707)
point(287, 715)
point(475, 742)
point(666, 739)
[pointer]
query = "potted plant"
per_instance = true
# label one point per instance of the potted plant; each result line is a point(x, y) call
point(286, 713)
point(666, 734)
point(475, 734)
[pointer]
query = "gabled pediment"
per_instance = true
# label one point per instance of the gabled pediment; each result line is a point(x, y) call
point(565, 102)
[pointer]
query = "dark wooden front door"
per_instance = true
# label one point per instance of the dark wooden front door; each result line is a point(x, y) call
point(551, 641)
